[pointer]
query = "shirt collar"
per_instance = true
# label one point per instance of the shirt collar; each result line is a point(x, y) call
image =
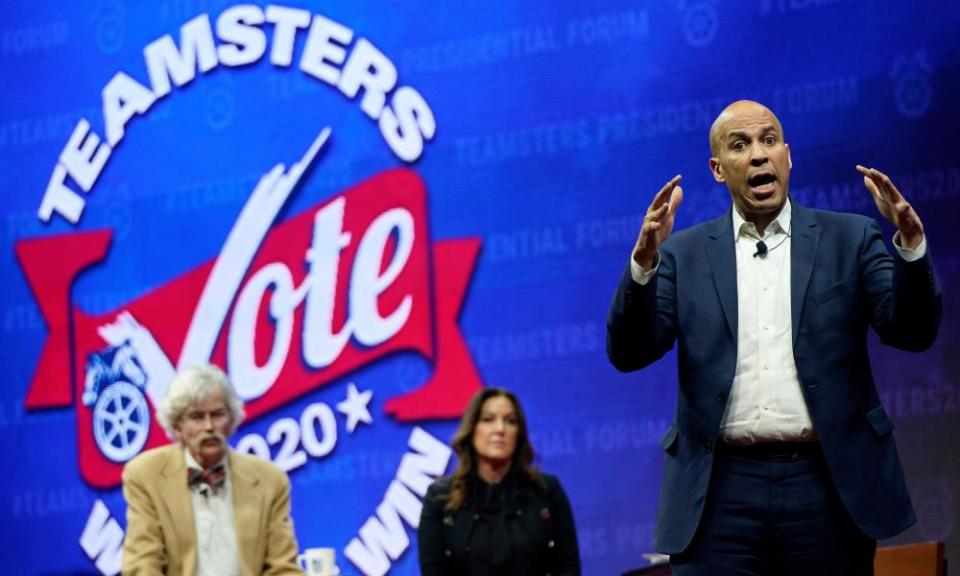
point(780, 224)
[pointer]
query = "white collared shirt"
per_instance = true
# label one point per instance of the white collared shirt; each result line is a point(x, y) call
point(765, 401)
point(216, 534)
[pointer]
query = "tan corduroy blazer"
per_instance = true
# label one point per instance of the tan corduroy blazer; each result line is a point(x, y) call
point(161, 532)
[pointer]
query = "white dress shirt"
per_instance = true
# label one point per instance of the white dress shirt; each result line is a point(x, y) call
point(216, 535)
point(765, 401)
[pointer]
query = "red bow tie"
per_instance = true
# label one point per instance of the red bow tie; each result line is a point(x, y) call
point(213, 477)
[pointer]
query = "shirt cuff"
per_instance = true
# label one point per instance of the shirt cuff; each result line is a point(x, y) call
point(641, 276)
point(909, 255)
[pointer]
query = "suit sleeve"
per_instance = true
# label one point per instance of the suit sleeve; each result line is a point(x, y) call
point(281, 556)
point(430, 538)
point(905, 300)
point(143, 550)
point(565, 534)
point(642, 322)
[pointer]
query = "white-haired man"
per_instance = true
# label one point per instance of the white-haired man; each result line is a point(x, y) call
point(196, 506)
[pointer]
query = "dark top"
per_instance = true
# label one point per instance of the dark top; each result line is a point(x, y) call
point(515, 528)
point(843, 282)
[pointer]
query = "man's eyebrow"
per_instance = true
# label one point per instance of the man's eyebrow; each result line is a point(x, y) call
point(766, 129)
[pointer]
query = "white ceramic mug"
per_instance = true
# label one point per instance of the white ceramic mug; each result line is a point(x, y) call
point(319, 562)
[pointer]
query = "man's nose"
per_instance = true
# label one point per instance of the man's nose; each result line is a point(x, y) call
point(758, 156)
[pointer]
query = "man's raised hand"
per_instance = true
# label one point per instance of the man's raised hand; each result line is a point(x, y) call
point(893, 206)
point(658, 223)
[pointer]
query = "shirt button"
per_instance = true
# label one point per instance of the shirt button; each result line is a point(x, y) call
point(550, 544)
point(447, 553)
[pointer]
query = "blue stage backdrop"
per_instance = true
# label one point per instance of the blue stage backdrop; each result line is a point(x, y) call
point(366, 211)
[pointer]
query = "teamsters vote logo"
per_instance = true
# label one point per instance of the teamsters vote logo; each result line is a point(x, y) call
point(343, 284)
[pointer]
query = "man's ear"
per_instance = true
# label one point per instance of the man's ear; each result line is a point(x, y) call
point(716, 169)
point(789, 158)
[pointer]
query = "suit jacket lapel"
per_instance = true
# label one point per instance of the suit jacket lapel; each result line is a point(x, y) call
point(723, 264)
point(247, 508)
point(176, 496)
point(803, 253)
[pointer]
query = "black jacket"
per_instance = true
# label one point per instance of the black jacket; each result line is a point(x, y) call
point(843, 281)
point(540, 509)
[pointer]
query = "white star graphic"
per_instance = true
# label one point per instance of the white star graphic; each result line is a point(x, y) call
point(355, 407)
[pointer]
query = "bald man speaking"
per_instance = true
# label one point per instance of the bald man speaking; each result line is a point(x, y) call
point(780, 458)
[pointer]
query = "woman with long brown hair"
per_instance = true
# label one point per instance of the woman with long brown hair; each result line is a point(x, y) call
point(497, 514)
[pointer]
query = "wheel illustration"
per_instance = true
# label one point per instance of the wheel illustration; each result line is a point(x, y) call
point(914, 93)
point(121, 421)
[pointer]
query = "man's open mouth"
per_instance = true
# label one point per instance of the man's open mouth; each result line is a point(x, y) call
point(762, 183)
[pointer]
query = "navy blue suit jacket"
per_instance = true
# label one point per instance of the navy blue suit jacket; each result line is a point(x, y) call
point(843, 281)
